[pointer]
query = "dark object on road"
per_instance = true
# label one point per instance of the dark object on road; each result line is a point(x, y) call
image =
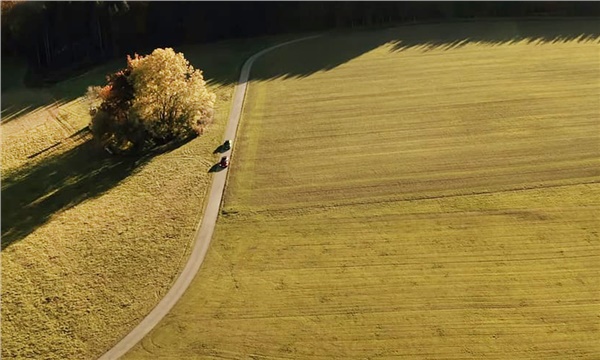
point(226, 146)
point(224, 162)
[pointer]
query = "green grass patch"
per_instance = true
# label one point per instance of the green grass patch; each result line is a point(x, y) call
point(417, 202)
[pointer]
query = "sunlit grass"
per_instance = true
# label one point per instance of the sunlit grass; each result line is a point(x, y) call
point(424, 203)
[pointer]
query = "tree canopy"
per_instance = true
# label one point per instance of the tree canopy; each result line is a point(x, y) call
point(154, 100)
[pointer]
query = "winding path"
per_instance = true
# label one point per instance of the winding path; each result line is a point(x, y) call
point(207, 225)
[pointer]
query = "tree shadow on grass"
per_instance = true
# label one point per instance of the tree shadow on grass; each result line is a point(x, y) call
point(31, 196)
point(222, 61)
point(18, 99)
point(447, 36)
point(336, 48)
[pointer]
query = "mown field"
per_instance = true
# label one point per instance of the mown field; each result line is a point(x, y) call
point(427, 192)
point(91, 243)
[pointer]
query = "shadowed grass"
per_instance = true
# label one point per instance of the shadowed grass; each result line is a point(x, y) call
point(217, 58)
point(220, 63)
point(32, 196)
point(58, 184)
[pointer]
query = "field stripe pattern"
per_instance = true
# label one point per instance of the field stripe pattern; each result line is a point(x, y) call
point(423, 203)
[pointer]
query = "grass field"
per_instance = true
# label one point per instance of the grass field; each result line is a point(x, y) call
point(90, 242)
point(425, 198)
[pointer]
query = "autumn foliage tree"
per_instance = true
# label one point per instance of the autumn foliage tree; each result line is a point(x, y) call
point(156, 99)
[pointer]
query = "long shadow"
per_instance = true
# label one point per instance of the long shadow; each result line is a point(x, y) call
point(216, 168)
point(18, 99)
point(337, 48)
point(220, 149)
point(221, 62)
point(494, 32)
point(31, 196)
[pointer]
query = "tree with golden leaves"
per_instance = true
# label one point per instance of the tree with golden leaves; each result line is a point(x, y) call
point(157, 99)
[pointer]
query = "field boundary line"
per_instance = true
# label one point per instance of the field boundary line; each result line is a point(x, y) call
point(418, 198)
point(204, 233)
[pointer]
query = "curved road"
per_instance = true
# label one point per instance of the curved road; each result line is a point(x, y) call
point(207, 225)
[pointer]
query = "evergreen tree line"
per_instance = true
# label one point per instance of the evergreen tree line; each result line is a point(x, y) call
point(58, 38)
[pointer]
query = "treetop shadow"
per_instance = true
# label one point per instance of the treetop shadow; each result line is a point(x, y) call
point(221, 62)
point(32, 195)
point(338, 47)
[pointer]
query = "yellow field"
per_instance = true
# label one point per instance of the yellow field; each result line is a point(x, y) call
point(91, 243)
point(408, 201)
